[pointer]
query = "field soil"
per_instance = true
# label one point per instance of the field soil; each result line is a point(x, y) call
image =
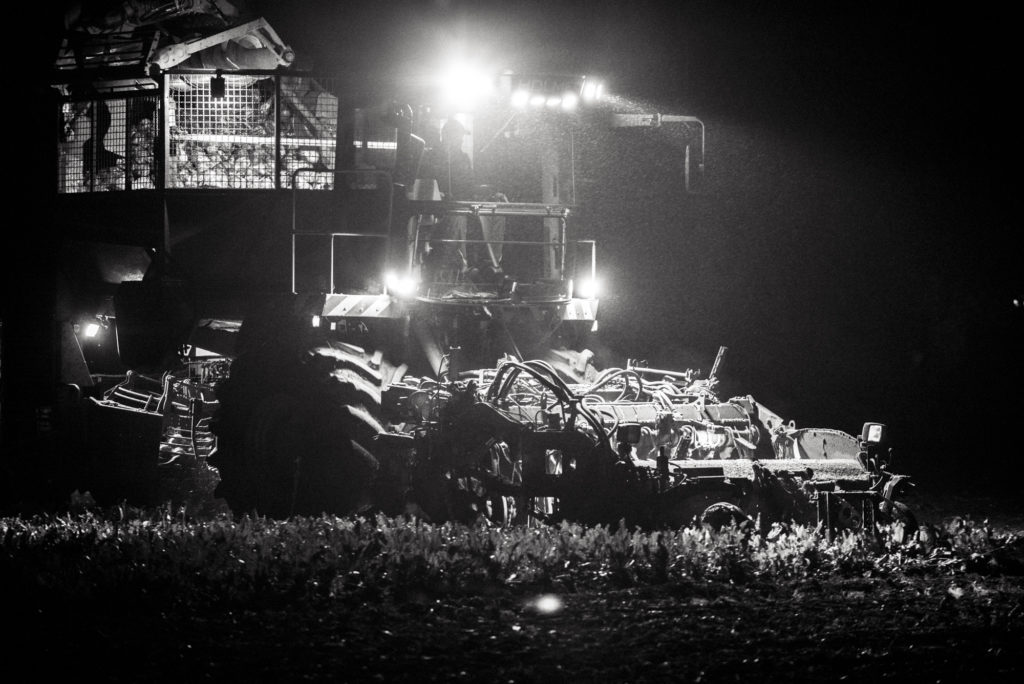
point(960, 623)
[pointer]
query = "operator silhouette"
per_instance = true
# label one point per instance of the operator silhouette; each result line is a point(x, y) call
point(459, 261)
point(451, 167)
point(98, 162)
point(449, 164)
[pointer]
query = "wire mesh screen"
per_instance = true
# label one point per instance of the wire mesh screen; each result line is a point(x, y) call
point(309, 129)
point(108, 144)
point(220, 139)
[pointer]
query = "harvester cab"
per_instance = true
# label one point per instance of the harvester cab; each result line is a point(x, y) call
point(479, 254)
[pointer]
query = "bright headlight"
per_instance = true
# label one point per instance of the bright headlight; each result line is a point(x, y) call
point(464, 85)
point(400, 285)
point(592, 91)
point(588, 288)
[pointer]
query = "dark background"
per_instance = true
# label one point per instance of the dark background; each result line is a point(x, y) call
point(853, 242)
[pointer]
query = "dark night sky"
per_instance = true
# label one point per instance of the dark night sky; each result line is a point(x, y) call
point(853, 245)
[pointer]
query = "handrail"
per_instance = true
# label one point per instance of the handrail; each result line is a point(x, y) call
point(537, 243)
point(670, 118)
point(468, 208)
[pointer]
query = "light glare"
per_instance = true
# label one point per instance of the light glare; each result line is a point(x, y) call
point(520, 98)
point(92, 329)
point(593, 91)
point(463, 86)
point(589, 288)
point(400, 286)
point(548, 604)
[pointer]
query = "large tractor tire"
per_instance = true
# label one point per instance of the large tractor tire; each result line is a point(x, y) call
point(295, 429)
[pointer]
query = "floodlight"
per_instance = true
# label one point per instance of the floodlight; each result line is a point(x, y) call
point(399, 285)
point(463, 86)
point(588, 288)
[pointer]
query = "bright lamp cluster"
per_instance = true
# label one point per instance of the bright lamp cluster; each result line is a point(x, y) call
point(568, 100)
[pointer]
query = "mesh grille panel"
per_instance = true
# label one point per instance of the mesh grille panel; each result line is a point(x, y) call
point(227, 142)
point(108, 144)
point(309, 127)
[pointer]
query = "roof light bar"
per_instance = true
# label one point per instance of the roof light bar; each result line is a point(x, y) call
point(566, 92)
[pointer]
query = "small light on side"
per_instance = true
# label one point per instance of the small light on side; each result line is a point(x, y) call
point(316, 321)
point(570, 101)
point(873, 433)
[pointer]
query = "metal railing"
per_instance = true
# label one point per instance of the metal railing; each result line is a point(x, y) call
point(455, 283)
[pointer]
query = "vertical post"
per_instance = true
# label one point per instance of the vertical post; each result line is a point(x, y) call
point(95, 148)
point(562, 243)
point(572, 165)
point(332, 263)
point(293, 262)
point(293, 232)
point(163, 130)
point(550, 194)
point(686, 168)
point(413, 237)
point(164, 109)
point(129, 115)
point(277, 133)
point(167, 228)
